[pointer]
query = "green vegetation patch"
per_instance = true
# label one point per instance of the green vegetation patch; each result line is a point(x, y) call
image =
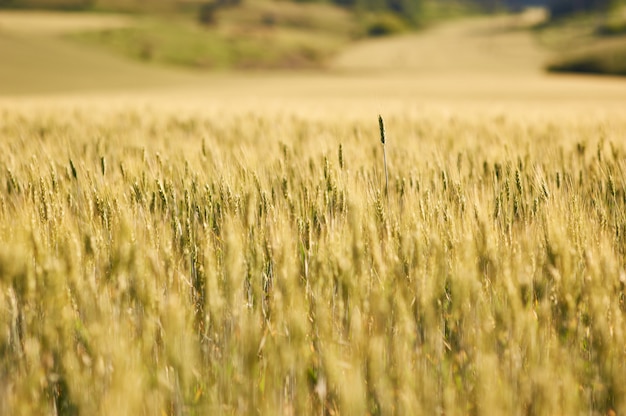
point(607, 59)
point(255, 36)
point(384, 24)
point(615, 22)
point(186, 44)
point(587, 43)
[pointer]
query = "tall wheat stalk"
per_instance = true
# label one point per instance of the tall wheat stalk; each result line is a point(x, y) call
point(381, 125)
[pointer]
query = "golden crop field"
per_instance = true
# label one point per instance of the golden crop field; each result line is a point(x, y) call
point(230, 247)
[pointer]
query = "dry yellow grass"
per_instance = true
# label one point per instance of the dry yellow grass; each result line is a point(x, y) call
point(479, 45)
point(160, 259)
point(56, 23)
point(37, 60)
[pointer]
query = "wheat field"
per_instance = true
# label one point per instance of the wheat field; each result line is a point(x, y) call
point(220, 262)
point(225, 243)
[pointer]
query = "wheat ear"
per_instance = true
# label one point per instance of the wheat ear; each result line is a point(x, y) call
point(381, 125)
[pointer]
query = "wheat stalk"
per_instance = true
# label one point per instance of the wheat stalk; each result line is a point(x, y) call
point(381, 125)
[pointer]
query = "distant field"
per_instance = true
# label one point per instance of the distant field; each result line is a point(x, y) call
point(36, 59)
point(55, 52)
point(465, 59)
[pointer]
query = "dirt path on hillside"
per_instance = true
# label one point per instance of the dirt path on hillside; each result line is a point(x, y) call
point(481, 45)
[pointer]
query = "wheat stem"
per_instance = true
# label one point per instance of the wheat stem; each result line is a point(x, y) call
point(381, 125)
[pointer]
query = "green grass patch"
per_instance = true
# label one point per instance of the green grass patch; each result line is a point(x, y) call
point(606, 59)
point(586, 43)
point(185, 44)
point(260, 35)
point(384, 24)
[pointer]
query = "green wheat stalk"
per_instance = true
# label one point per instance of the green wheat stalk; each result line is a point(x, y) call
point(381, 125)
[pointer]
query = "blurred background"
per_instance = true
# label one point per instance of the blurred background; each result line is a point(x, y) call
point(68, 45)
